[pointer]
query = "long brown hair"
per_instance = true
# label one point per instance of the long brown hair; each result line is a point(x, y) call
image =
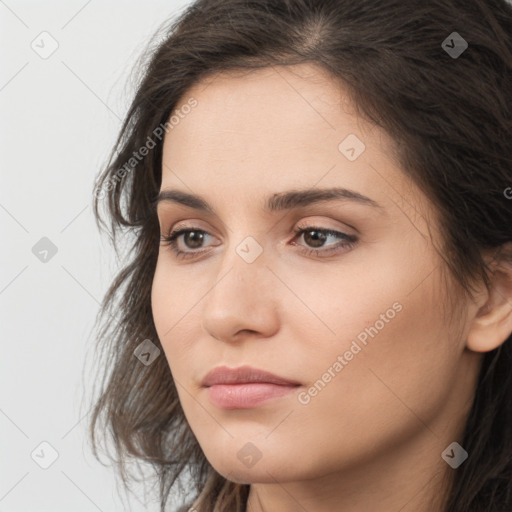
point(451, 118)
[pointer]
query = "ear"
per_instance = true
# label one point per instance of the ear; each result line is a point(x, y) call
point(492, 324)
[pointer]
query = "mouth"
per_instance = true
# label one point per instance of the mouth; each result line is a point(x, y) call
point(245, 387)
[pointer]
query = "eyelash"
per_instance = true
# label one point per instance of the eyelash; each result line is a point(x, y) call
point(349, 241)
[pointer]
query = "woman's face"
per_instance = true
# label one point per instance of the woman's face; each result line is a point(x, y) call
point(354, 318)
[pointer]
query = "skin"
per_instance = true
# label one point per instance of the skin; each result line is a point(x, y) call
point(372, 438)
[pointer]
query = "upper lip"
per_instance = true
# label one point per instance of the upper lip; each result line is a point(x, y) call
point(243, 374)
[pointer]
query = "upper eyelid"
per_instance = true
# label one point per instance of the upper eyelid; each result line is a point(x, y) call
point(180, 228)
point(180, 225)
point(352, 230)
point(165, 209)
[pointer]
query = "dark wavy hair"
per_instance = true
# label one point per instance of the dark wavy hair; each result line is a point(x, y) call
point(451, 119)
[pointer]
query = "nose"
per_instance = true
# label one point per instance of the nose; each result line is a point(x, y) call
point(242, 300)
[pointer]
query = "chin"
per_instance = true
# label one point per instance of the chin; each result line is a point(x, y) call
point(265, 470)
point(261, 475)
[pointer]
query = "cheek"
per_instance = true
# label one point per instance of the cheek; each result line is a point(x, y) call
point(161, 302)
point(395, 374)
point(398, 352)
point(388, 392)
point(171, 303)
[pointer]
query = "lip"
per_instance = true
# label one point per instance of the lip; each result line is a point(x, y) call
point(245, 387)
point(243, 375)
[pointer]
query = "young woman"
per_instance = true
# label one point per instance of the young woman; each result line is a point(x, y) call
point(316, 312)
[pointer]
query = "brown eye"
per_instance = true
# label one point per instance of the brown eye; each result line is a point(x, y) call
point(193, 239)
point(314, 237)
point(314, 240)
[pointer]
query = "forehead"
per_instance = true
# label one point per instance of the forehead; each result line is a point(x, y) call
point(275, 129)
point(269, 106)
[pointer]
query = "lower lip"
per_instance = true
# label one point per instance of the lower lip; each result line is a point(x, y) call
point(245, 396)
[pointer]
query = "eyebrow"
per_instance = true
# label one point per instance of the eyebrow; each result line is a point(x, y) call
point(276, 202)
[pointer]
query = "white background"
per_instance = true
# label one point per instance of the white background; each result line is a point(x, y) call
point(59, 117)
